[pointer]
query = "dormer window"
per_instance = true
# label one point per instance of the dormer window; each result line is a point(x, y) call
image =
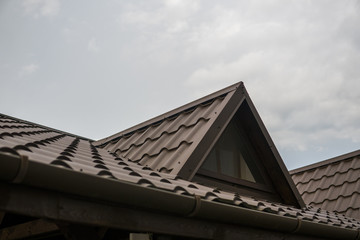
point(234, 163)
point(231, 157)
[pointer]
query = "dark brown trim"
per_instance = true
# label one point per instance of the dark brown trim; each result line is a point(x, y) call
point(274, 164)
point(326, 162)
point(241, 189)
point(233, 180)
point(232, 101)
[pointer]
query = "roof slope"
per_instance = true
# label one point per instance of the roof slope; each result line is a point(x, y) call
point(333, 184)
point(166, 142)
point(53, 156)
point(179, 141)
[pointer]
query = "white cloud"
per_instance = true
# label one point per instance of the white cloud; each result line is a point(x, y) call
point(42, 7)
point(302, 73)
point(28, 69)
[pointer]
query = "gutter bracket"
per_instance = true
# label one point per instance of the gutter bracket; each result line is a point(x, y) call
point(24, 163)
point(298, 226)
point(197, 206)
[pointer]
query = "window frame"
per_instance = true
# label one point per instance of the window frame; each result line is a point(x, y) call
point(212, 176)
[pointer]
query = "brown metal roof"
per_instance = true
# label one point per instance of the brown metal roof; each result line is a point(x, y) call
point(178, 142)
point(166, 142)
point(332, 185)
point(69, 153)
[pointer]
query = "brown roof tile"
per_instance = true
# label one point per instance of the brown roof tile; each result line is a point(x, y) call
point(178, 142)
point(166, 142)
point(80, 155)
point(333, 184)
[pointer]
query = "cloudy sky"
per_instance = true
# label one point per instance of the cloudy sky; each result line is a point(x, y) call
point(94, 68)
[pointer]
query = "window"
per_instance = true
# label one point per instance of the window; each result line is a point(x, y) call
point(231, 156)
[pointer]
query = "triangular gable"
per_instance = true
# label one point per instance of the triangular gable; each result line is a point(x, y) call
point(167, 142)
point(179, 142)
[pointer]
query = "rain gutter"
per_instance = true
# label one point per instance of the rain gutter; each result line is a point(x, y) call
point(18, 169)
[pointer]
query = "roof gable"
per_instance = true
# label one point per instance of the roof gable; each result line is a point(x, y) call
point(332, 184)
point(179, 141)
point(167, 142)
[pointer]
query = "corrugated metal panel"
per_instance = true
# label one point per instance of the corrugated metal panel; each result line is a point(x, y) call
point(333, 185)
point(165, 145)
point(76, 154)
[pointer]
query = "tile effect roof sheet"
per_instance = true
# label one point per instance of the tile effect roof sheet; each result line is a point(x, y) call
point(165, 144)
point(333, 185)
point(64, 151)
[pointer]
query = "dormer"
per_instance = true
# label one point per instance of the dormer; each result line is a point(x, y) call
point(218, 140)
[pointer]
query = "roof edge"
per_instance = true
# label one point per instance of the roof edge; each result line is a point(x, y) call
point(217, 126)
point(46, 127)
point(325, 162)
point(186, 206)
point(274, 151)
point(169, 113)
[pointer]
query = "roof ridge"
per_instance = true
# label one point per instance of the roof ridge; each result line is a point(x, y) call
point(204, 100)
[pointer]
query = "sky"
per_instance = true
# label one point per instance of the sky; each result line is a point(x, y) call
point(95, 68)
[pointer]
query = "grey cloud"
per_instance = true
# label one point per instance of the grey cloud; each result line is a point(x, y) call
point(298, 59)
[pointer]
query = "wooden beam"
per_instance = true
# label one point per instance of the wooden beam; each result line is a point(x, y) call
point(78, 232)
point(2, 215)
point(67, 208)
point(28, 229)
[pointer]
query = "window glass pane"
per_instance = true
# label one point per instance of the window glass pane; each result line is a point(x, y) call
point(245, 171)
point(228, 163)
point(231, 156)
point(210, 163)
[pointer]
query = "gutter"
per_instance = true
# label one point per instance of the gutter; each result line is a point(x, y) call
point(19, 170)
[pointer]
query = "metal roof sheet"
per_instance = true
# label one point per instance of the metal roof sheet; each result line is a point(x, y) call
point(64, 151)
point(178, 142)
point(165, 143)
point(333, 184)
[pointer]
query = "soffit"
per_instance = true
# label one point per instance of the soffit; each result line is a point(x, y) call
point(333, 185)
point(68, 152)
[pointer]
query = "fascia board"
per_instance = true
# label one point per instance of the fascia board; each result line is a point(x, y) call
point(280, 164)
point(216, 127)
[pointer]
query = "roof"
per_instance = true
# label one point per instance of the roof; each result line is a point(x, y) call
point(165, 143)
point(179, 141)
point(41, 157)
point(333, 184)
